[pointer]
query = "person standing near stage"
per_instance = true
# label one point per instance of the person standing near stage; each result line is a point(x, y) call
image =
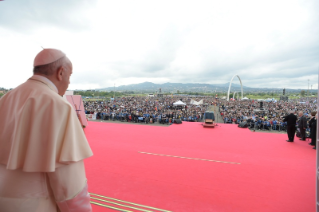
point(302, 124)
point(42, 143)
point(291, 120)
point(313, 129)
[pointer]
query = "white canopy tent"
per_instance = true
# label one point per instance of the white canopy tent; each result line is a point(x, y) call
point(179, 103)
point(193, 102)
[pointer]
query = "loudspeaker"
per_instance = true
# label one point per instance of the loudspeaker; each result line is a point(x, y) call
point(243, 125)
point(178, 121)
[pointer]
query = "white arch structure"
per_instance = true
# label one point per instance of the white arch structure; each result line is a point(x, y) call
point(241, 85)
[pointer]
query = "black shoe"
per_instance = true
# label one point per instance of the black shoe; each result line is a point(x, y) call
point(302, 139)
point(314, 148)
point(289, 141)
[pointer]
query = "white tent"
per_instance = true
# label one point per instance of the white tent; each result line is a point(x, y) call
point(245, 98)
point(179, 103)
point(193, 102)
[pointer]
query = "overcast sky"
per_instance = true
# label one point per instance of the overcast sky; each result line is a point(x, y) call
point(268, 43)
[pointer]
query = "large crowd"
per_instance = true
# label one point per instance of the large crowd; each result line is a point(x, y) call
point(268, 116)
point(148, 109)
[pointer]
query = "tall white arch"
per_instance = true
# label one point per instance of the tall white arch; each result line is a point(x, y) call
point(241, 85)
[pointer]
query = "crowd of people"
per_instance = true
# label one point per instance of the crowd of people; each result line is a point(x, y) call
point(274, 116)
point(269, 115)
point(258, 116)
point(147, 109)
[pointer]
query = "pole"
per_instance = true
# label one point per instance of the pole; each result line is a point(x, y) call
point(317, 161)
point(308, 92)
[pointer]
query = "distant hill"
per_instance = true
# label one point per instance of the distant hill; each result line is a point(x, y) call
point(149, 87)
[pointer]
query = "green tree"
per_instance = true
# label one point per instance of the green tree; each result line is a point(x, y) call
point(302, 93)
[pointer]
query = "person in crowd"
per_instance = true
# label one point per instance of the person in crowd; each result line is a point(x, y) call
point(302, 124)
point(313, 129)
point(42, 143)
point(291, 120)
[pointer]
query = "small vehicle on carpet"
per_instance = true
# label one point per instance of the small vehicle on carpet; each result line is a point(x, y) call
point(209, 119)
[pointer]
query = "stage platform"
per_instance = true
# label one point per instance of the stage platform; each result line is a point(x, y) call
point(191, 168)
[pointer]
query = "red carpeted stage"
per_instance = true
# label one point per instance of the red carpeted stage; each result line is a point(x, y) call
point(190, 168)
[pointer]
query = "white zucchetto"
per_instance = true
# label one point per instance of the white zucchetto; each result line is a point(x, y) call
point(47, 56)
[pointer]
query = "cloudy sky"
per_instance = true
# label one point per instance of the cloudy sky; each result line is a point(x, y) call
point(268, 43)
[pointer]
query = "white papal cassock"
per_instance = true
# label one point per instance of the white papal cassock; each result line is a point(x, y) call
point(42, 147)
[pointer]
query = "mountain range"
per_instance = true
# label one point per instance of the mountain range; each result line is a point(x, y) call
point(149, 87)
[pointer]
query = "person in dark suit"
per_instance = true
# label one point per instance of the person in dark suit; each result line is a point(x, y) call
point(291, 120)
point(302, 124)
point(313, 126)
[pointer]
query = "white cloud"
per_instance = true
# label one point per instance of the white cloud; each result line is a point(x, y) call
point(268, 43)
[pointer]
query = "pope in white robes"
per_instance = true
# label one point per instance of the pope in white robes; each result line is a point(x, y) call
point(42, 143)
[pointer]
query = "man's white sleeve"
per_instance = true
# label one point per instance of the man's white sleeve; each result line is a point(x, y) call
point(69, 186)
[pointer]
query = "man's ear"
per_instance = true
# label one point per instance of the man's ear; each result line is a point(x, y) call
point(59, 74)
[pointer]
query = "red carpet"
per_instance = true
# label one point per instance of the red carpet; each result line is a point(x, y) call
point(268, 173)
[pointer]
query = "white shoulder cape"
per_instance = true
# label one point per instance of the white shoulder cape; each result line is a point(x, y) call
point(39, 129)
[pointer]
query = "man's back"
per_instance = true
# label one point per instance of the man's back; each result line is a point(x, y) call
point(42, 143)
point(32, 115)
point(39, 133)
point(302, 122)
point(291, 119)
